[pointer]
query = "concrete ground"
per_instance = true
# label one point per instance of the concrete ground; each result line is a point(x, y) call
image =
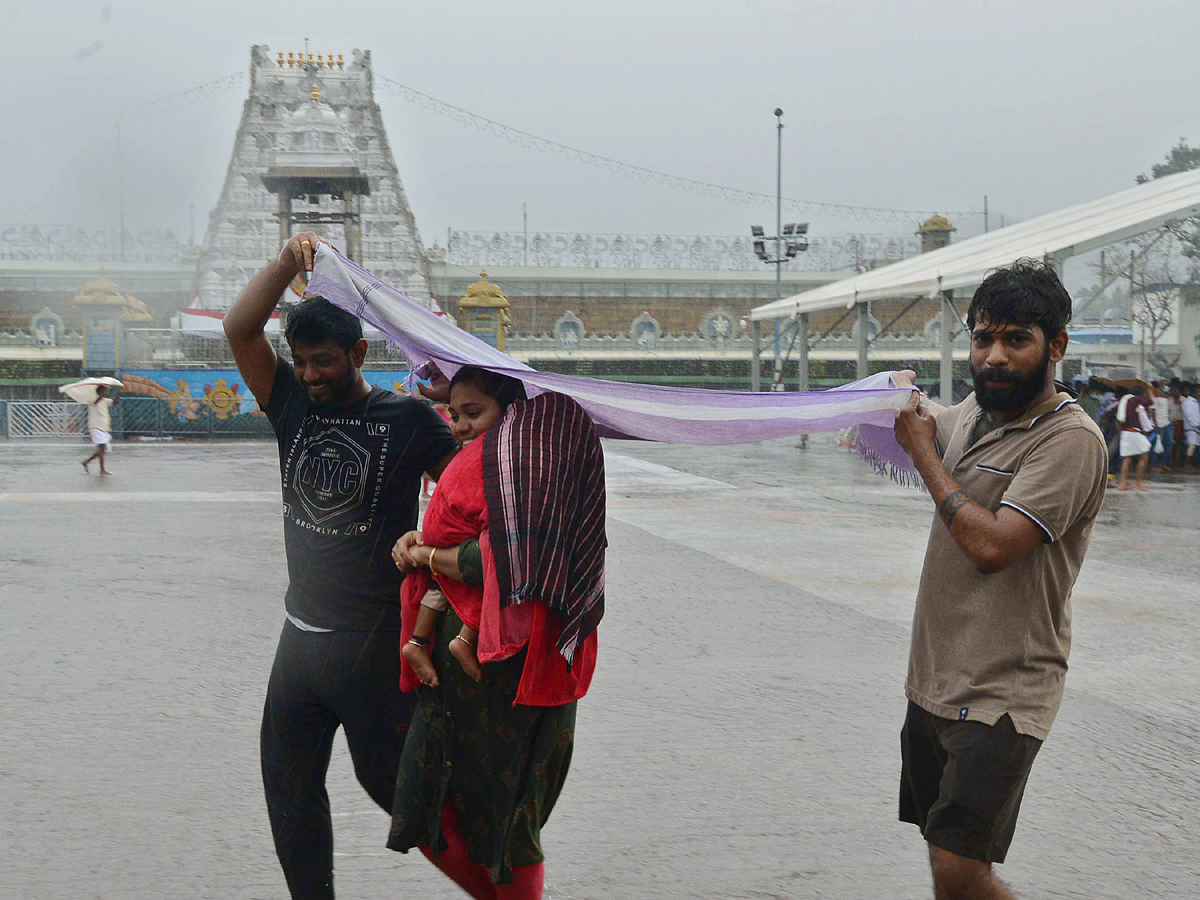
point(740, 739)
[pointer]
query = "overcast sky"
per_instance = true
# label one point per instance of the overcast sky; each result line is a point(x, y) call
point(909, 105)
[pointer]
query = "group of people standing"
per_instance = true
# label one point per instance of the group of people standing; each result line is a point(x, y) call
point(1148, 426)
point(453, 656)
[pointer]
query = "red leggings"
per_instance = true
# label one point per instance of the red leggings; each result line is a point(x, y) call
point(473, 878)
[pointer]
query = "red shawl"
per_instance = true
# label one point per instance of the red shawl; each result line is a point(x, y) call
point(458, 512)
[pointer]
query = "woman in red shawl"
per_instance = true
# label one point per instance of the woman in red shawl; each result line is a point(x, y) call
point(515, 531)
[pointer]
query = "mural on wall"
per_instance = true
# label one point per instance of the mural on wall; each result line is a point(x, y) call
point(190, 392)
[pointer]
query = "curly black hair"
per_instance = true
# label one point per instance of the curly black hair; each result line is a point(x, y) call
point(1026, 293)
point(315, 319)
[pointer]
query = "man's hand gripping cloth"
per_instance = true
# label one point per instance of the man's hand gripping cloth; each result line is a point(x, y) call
point(623, 410)
point(543, 472)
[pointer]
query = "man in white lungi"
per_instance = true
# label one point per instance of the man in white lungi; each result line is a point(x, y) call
point(100, 427)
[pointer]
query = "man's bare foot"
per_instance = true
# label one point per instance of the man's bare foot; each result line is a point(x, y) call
point(1141, 487)
point(83, 463)
point(464, 652)
point(421, 662)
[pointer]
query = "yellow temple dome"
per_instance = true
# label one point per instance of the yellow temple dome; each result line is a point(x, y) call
point(484, 293)
point(936, 224)
point(100, 291)
point(135, 310)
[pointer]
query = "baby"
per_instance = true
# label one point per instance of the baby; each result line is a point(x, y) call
point(478, 400)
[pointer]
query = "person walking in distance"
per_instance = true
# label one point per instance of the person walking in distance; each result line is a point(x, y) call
point(1164, 435)
point(1133, 418)
point(1017, 475)
point(99, 424)
point(351, 458)
point(1190, 408)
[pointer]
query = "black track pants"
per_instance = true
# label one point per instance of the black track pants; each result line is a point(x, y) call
point(318, 682)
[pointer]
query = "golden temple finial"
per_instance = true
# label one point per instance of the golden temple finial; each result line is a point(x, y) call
point(280, 59)
point(487, 311)
point(291, 58)
point(341, 63)
point(311, 58)
point(316, 92)
point(320, 60)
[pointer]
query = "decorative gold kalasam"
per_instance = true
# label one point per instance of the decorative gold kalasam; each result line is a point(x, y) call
point(102, 291)
point(935, 232)
point(486, 311)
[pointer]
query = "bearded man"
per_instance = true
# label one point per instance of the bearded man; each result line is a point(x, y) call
point(1017, 474)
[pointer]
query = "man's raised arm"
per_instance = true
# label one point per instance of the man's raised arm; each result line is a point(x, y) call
point(247, 318)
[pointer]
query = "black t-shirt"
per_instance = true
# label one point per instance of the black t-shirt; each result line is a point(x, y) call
point(351, 476)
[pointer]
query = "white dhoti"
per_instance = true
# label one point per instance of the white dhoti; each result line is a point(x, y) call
point(100, 437)
point(1134, 443)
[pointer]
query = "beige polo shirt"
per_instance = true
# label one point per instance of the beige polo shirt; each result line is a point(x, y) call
point(986, 645)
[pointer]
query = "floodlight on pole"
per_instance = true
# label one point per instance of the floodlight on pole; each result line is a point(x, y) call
point(789, 242)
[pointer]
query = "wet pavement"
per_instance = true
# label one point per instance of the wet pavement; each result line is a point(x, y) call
point(740, 739)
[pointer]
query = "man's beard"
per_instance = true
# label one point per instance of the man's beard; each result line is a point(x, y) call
point(1018, 391)
point(340, 389)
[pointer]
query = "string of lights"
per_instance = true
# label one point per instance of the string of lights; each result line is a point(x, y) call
point(171, 101)
point(540, 144)
point(524, 139)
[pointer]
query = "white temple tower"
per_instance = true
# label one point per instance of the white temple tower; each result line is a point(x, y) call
point(304, 107)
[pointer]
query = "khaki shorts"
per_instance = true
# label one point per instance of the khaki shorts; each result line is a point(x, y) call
point(961, 783)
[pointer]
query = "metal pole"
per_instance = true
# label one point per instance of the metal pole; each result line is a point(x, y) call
point(985, 214)
point(777, 372)
point(1133, 312)
point(779, 206)
point(1057, 262)
point(525, 233)
point(120, 192)
point(778, 384)
point(285, 216)
point(348, 228)
point(802, 337)
point(949, 321)
point(863, 340)
point(756, 356)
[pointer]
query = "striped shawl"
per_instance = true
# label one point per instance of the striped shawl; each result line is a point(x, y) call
point(543, 473)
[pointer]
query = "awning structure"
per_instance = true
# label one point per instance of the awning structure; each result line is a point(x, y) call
point(1055, 236)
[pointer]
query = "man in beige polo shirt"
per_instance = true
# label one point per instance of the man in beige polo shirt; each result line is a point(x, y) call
point(1017, 474)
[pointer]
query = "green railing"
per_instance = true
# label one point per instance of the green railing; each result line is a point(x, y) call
point(151, 417)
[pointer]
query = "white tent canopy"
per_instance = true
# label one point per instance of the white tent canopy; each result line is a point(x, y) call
point(1056, 236)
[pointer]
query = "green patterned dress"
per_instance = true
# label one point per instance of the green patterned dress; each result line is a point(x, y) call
point(502, 766)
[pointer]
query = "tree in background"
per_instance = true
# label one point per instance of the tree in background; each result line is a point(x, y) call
point(1150, 269)
point(1183, 158)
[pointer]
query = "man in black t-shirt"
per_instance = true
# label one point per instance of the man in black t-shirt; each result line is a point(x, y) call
point(351, 459)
